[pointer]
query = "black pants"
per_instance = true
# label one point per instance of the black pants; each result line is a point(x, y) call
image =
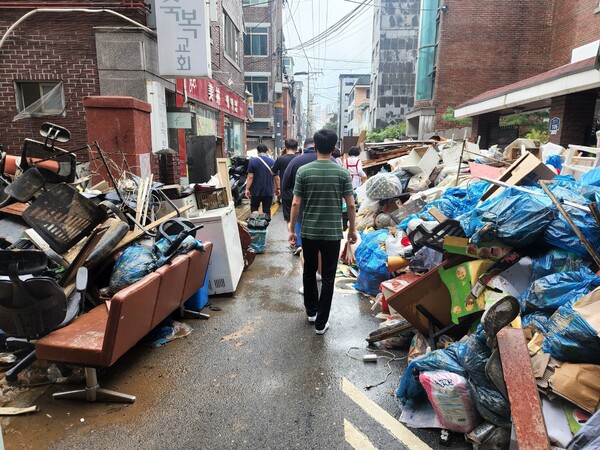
point(266, 204)
point(286, 206)
point(330, 252)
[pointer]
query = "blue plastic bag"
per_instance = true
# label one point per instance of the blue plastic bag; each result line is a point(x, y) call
point(560, 234)
point(554, 161)
point(555, 290)
point(459, 200)
point(554, 261)
point(468, 359)
point(371, 260)
point(538, 319)
point(569, 337)
point(591, 178)
point(134, 264)
point(517, 218)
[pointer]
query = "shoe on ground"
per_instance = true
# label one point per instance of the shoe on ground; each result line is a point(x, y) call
point(301, 290)
point(319, 277)
point(298, 251)
point(325, 328)
point(312, 319)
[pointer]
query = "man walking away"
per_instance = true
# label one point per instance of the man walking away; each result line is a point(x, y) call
point(291, 145)
point(260, 183)
point(320, 187)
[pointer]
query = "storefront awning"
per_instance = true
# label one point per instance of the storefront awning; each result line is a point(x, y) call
point(535, 91)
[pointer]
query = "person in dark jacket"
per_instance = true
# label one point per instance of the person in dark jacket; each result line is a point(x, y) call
point(291, 145)
point(260, 184)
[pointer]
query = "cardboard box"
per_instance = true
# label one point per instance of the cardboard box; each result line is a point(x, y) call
point(421, 160)
point(527, 167)
point(493, 250)
point(460, 280)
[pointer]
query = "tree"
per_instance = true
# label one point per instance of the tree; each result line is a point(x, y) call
point(331, 126)
point(392, 132)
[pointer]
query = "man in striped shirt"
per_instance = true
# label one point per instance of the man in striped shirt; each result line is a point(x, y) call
point(320, 187)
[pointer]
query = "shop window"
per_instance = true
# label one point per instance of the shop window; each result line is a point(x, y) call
point(256, 41)
point(259, 87)
point(40, 98)
point(230, 38)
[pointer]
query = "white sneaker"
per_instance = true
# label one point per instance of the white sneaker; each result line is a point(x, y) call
point(301, 290)
point(325, 328)
point(319, 277)
point(312, 318)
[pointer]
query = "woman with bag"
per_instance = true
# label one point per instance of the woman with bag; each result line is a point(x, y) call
point(354, 166)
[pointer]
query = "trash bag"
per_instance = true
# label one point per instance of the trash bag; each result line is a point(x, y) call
point(560, 234)
point(258, 221)
point(134, 264)
point(371, 260)
point(570, 338)
point(554, 261)
point(515, 217)
point(425, 260)
point(187, 245)
point(538, 319)
point(554, 161)
point(555, 290)
point(383, 186)
point(590, 178)
point(467, 358)
point(459, 200)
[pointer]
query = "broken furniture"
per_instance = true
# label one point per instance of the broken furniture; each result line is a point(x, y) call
point(100, 337)
point(31, 306)
point(576, 165)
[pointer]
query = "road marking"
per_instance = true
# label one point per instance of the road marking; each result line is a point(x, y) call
point(355, 438)
point(390, 423)
point(274, 208)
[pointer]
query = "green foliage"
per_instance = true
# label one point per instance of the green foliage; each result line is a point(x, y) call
point(392, 132)
point(535, 120)
point(538, 135)
point(448, 117)
point(331, 126)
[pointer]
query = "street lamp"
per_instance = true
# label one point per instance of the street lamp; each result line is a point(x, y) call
point(308, 108)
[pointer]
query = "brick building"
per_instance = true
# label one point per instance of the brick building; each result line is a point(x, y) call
point(358, 107)
point(260, 53)
point(99, 54)
point(395, 36)
point(472, 55)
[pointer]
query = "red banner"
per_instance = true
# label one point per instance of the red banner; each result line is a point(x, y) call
point(214, 94)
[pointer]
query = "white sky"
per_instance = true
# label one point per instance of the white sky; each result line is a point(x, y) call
point(346, 51)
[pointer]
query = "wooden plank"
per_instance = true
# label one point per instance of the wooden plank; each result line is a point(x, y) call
point(137, 233)
point(525, 405)
point(40, 243)
point(223, 172)
point(15, 209)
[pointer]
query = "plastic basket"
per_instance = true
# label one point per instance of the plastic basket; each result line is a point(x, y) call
point(213, 199)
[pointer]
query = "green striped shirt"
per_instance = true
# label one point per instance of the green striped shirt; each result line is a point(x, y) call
point(322, 185)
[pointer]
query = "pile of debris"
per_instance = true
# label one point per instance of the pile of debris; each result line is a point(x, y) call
point(467, 247)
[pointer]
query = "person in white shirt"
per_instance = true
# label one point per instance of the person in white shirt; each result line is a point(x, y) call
point(354, 166)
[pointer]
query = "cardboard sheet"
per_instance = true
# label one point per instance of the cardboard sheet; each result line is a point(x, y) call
point(588, 307)
point(578, 383)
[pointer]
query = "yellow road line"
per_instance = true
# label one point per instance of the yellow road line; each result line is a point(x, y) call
point(390, 423)
point(355, 438)
point(274, 208)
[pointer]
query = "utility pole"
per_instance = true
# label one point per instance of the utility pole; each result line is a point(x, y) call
point(278, 90)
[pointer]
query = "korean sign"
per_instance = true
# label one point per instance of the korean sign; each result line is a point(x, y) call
point(183, 39)
point(214, 94)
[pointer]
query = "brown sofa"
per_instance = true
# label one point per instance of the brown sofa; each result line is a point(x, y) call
point(101, 336)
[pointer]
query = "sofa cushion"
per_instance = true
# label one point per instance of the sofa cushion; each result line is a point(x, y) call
point(173, 277)
point(197, 271)
point(80, 342)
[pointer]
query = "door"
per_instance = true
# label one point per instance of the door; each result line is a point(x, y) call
point(201, 158)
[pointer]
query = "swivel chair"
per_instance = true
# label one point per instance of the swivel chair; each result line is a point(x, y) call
point(32, 305)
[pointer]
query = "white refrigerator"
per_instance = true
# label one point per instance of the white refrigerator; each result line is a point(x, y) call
point(226, 262)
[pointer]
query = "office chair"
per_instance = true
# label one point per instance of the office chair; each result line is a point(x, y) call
point(32, 305)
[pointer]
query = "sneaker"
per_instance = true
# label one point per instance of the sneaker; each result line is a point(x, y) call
point(325, 328)
point(301, 290)
point(312, 318)
point(297, 251)
point(319, 277)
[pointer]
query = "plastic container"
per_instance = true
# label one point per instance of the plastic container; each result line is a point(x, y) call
point(259, 240)
point(199, 300)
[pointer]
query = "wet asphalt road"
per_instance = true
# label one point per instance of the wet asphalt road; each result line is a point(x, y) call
point(254, 376)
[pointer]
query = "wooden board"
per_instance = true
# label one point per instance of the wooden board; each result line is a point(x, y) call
point(223, 171)
point(15, 209)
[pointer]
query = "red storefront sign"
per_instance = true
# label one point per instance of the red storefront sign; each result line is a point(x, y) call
point(214, 94)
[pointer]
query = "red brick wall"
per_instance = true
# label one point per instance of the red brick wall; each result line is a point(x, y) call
point(50, 46)
point(574, 24)
point(485, 45)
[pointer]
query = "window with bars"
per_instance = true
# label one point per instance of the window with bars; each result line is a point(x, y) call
point(256, 41)
point(230, 38)
point(259, 86)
